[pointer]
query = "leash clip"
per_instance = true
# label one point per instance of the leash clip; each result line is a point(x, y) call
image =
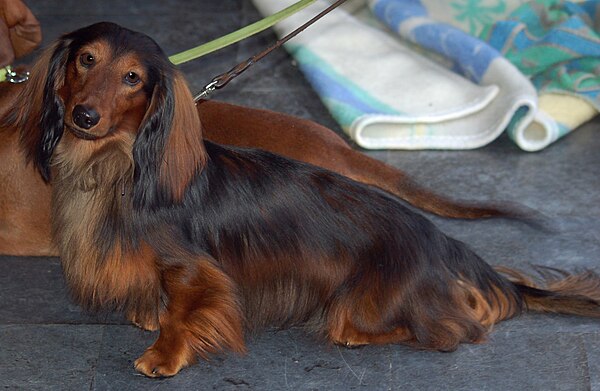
point(210, 87)
point(223, 79)
point(14, 77)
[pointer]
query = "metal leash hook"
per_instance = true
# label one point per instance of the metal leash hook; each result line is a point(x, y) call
point(206, 90)
point(14, 77)
point(222, 80)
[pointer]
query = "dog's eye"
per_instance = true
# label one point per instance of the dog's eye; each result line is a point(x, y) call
point(132, 78)
point(87, 60)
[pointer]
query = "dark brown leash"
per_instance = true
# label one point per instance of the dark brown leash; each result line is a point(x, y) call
point(223, 79)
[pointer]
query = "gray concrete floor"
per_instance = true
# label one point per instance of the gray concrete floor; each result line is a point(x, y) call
point(46, 342)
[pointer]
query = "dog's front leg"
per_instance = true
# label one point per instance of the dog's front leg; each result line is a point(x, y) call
point(202, 316)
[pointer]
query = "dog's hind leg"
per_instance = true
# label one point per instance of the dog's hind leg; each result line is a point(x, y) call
point(443, 334)
point(422, 316)
point(342, 331)
point(202, 316)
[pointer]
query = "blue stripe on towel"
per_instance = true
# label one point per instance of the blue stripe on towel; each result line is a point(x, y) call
point(471, 56)
point(346, 100)
point(395, 12)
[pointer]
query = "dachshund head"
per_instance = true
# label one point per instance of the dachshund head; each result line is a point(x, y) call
point(105, 84)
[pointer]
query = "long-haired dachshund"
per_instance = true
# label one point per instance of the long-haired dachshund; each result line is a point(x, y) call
point(207, 242)
point(25, 197)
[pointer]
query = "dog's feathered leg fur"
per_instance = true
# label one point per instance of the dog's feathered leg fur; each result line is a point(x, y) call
point(207, 302)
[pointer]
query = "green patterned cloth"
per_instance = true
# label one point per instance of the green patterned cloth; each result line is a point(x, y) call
point(555, 43)
point(490, 66)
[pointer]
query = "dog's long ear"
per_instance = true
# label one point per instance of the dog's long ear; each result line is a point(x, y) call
point(169, 150)
point(38, 111)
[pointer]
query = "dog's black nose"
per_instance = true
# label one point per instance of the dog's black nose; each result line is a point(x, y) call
point(85, 118)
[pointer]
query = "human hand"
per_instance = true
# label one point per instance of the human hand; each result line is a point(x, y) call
point(20, 31)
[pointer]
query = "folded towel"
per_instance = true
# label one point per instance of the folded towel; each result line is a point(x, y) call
point(387, 93)
point(516, 105)
point(557, 45)
point(554, 43)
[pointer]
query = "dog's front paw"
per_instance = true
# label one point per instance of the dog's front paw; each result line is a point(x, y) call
point(153, 363)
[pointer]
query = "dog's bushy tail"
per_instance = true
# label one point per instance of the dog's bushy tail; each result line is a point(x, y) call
point(557, 291)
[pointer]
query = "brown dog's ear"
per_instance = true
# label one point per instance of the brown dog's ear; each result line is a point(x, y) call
point(38, 111)
point(169, 150)
point(184, 154)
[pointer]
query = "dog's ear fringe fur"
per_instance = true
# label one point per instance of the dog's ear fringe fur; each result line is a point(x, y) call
point(168, 150)
point(184, 153)
point(38, 111)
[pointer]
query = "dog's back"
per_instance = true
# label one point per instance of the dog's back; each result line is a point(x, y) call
point(305, 245)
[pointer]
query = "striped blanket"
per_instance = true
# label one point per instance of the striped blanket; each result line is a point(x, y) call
point(455, 74)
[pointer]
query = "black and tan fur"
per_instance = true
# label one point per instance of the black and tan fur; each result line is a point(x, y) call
point(206, 242)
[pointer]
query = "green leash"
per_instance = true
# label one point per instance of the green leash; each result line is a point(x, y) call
point(6, 74)
point(238, 35)
point(223, 79)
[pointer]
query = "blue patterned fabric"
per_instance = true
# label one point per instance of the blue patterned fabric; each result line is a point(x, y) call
point(555, 43)
point(455, 74)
